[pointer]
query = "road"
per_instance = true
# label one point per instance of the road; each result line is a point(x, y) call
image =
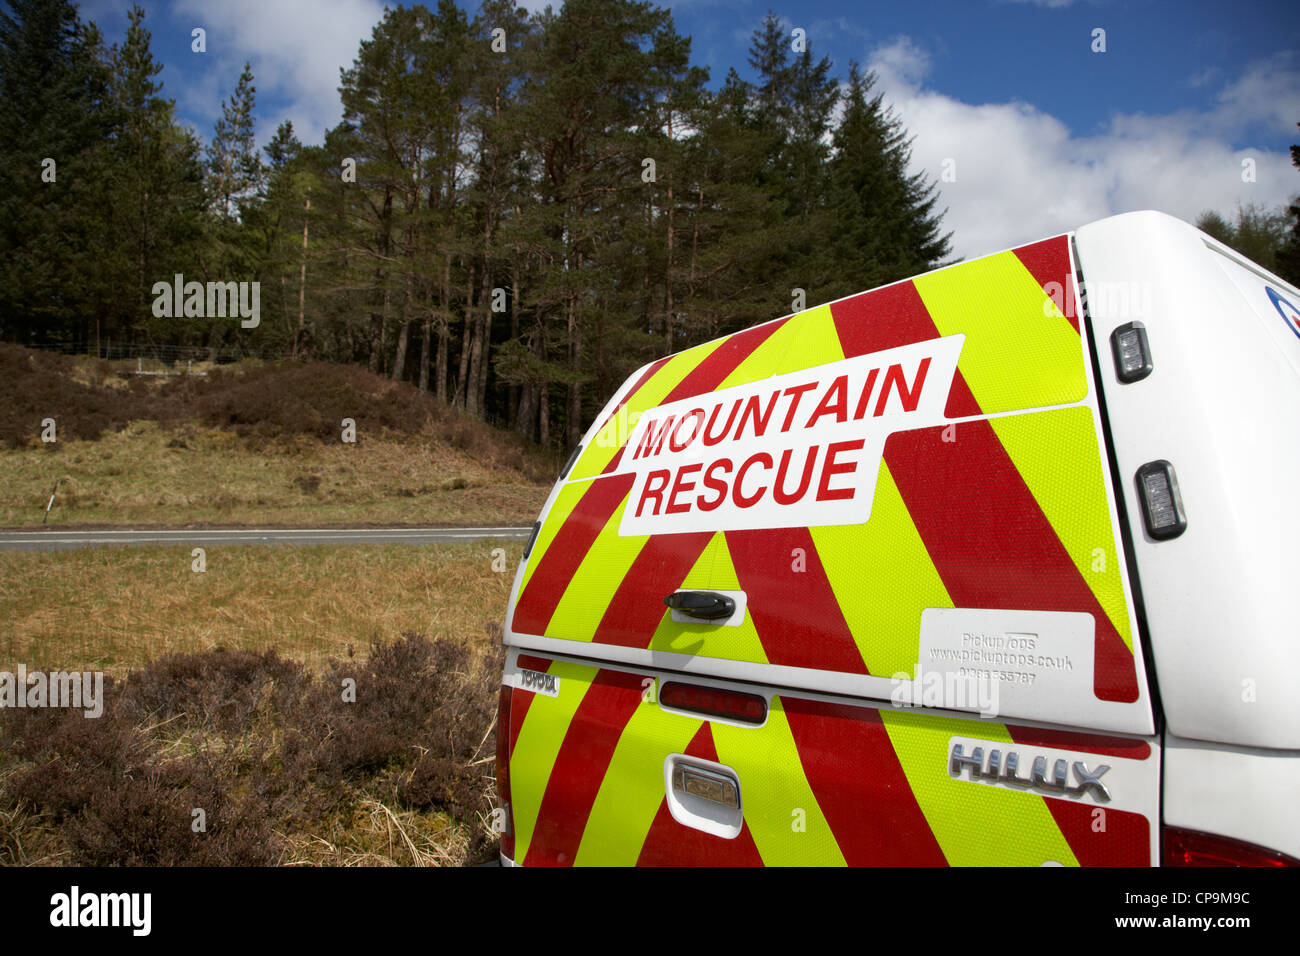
point(62, 540)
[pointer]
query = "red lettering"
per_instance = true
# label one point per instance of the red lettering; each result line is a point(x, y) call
point(834, 401)
point(647, 492)
point(672, 442)
point(751, 411)
point(908, 396)
point(714, 484)
point(824, 490)
point(748, 501)
point(865, 398)
point(708, 429)
point(778, 486)
point(796, 393)
point(679, 486)
point(650, 437)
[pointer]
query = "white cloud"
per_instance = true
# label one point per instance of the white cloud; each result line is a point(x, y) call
point(901, 59)
point(1022, 174)
point(296, 48)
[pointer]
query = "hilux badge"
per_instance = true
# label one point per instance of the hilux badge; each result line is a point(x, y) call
point(1003, 767)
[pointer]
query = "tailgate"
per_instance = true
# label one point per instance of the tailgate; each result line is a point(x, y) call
point(821, 780)
point(905, 493)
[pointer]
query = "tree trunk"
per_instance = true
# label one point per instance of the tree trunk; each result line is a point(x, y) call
point(302, 279)
point(462, 377)
point(668, 267)
point(424, 355)
point(513, 394)
point(574, 424)
point(482, 346)
point(383, 334)
point(444, 329)
point(526, 415)
point(404, 334)
point(543, 416)
point(377, 321)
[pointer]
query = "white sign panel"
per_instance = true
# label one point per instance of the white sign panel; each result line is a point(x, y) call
point(796, 450)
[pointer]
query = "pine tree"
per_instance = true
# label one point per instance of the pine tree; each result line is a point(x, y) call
point(158, 200)
point(278, 227)
point(886, 227)
point(496, 70)
point(769, 57)
point(583, 119)
point(53, 121)
point(234, 167)
point(1258, 233)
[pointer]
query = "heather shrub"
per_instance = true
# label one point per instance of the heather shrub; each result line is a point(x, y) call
point(262, 747)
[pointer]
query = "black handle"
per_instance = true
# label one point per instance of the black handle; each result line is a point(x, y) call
point(702, 604)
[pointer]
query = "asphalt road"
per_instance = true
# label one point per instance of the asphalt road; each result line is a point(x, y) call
point(62, 540)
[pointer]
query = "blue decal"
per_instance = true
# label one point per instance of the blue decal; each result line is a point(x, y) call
point(1290, 314)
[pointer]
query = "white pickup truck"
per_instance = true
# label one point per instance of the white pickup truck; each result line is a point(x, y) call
point(995, 565)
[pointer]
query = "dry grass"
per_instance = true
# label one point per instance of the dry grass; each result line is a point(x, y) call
point(251, 444)
point(194, 717)
point(118, 608)
point(149, 476)
point(373, 834)
point(286, 770)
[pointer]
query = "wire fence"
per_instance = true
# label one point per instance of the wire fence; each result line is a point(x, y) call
point(166, 354)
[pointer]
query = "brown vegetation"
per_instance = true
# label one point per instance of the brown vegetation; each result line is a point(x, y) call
point(259, 403)
point(284, 767)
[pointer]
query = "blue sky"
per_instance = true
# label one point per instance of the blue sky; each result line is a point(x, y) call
point(1036, 132)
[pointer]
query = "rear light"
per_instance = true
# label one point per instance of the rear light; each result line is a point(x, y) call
point(1132, 353)
point(1194, 848)
point(1162, 503)
point(746, 708)
point(504, 820)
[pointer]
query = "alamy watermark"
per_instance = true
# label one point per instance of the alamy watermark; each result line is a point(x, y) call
point(1102, 300)
point(215, 300)
point(79, 690)
point(133, 911)
point(948, 690)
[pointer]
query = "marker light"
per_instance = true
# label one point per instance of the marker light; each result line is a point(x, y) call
point(715, 702)
point(1132, 353)
point(1193, 848)
point(1162, 505)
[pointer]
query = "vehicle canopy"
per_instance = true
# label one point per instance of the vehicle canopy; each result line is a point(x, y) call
point(1219, 405)
point(904, 492)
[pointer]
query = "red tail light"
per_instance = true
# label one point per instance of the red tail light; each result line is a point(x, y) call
point(506, 818)
point(1194, 848)
point(747, 708)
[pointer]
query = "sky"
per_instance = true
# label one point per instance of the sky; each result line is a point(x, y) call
point(1028, 120)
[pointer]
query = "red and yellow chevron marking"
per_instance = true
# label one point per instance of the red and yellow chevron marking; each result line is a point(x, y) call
point(1009, 511)
point(822, 784)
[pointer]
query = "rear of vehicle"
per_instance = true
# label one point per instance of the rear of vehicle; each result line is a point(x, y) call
point(864, 585)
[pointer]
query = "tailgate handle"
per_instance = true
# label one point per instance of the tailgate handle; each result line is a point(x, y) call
point(707, 785)
point(702, 604)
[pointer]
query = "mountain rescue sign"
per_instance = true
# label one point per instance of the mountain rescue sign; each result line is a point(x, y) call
point(790, 451)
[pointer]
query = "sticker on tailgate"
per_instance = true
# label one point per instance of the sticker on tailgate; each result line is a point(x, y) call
point(790, 451)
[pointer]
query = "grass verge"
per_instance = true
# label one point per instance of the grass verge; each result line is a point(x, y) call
point(113, 609)
point(315, 706)
point(146, 475)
